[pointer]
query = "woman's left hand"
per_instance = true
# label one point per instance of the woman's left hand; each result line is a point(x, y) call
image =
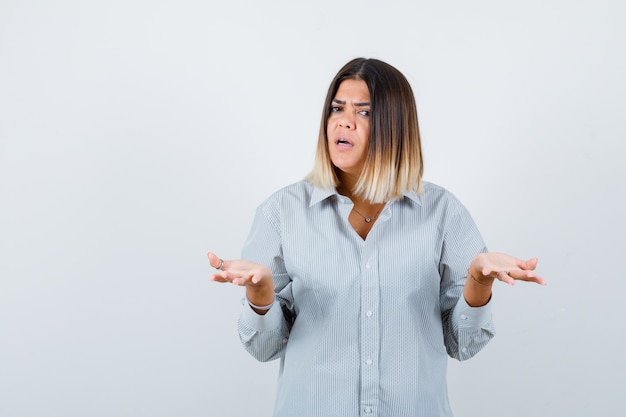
point(506, 268)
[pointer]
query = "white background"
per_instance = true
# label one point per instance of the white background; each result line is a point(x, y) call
point(137, 135)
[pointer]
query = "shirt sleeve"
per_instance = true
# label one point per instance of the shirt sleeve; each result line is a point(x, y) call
point(466, 329)
point(265, 336)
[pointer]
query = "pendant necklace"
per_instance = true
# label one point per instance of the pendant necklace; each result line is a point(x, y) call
point(367, 219)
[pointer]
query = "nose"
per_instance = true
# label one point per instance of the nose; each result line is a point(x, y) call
point(346, 121)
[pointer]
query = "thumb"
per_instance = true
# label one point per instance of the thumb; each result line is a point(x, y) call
point(214, 260)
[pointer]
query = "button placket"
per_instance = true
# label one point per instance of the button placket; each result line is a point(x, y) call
point(370, 331)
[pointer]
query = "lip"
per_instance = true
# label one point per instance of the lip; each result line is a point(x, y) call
point(343, 143)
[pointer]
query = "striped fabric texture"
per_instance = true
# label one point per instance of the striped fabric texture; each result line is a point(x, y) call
point(364, 327)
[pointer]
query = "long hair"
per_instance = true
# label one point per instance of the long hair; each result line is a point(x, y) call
point(393, 165)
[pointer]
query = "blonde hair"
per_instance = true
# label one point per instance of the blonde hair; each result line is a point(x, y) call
point(393, 164)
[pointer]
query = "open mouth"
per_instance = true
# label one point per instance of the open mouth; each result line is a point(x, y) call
point(344, 142)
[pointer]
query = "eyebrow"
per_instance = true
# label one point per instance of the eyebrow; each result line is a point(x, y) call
point(342, 102)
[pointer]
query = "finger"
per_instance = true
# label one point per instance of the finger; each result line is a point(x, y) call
point(214, 260)
point(235, 279)
point(221, 277)
point(527, 276)
point(242, 280)
point(256, 277)
point(488, 271)
point(536, 279)
point(497, 273)
point(505, 277)
point(530, 264)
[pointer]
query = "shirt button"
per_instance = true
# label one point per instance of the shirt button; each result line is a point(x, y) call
point(464, 350)
point(368, 410)
point(285, 340)
point(369, 361)
point(464, 317)
point(368, 266)
point(369, 313)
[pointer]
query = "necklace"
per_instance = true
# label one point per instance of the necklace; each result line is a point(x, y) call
point(367, 219)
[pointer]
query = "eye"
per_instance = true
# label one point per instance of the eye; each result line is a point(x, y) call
point(365, 113)
point(335, 109)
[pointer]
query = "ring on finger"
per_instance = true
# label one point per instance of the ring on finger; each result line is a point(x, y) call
point(220, 265)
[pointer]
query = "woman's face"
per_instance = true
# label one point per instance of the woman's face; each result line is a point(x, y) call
point(348, 128)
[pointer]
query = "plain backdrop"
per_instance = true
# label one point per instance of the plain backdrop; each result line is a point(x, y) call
point(137, 135)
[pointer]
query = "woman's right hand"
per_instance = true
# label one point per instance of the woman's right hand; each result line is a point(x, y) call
point(255, 277)
point(240, 272)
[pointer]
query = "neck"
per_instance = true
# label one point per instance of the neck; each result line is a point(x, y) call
point(346, 187)
point(347, 181)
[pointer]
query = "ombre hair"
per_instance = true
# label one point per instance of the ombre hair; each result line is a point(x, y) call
point(393, 164)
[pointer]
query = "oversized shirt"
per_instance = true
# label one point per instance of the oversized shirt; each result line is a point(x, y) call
point(364, 327)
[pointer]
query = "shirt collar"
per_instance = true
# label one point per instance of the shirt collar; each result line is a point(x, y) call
point(320, 194)
point(412, 195)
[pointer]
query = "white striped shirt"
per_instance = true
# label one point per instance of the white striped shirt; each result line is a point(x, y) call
point(362, 327)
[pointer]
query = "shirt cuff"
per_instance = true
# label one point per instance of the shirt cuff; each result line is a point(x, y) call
point(472, 317)
point(260, 322)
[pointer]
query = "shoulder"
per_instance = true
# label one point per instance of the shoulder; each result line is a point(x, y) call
point(442, 206)
point(453, 217)
point(293, 198)
point(437, 197)
point(291, 203)
point(300, 191)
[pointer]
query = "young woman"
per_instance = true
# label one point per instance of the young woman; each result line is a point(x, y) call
point(362, 278)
